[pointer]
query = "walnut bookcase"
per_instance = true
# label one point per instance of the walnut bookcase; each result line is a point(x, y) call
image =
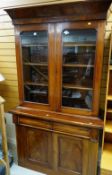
point(59, 50)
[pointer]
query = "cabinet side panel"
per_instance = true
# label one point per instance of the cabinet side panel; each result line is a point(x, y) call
point(20, 136)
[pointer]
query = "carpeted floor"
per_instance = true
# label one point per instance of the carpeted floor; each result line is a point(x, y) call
point(17, 170)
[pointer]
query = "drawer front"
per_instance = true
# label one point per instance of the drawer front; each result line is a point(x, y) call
point(71, 130)
point(35, 123)
point(56, 127)
point(67, 129)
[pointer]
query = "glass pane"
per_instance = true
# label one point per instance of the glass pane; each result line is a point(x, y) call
point(78, 67)
point(35, 65)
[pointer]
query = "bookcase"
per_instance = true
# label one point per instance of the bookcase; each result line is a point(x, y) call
point(107, 135)
point(59, 61)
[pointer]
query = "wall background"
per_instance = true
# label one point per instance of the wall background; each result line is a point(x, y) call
point(9, 88)
point(21, 3)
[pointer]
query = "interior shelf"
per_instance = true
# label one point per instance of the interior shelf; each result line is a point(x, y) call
point(107, 157)
point(77, 65)
point(35, 64)
point(109, 97)
point(76, 87)
point(108, 126)
point(109, 110)
point(110, 67)
point(35, 45)
point(69, 44)
point(35, 84)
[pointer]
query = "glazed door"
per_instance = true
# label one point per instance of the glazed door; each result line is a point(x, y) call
point(79, 62)
point(36, 65)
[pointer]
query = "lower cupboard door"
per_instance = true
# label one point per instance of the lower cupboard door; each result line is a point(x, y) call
point(35, 147)
point(71, 155)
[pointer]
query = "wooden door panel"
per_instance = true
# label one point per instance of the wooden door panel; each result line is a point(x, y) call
point(71, 155)
point(38, 147)
point(70, 152)
point(37, 152)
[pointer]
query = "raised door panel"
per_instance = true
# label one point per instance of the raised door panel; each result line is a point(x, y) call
point(72, 155)
point(37, 147)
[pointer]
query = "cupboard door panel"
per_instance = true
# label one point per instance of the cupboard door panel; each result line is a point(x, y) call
point(38, 147)
point(69, 149)
point(37, 152)
point(71, 155)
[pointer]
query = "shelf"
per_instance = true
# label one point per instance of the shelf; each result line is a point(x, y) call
point(110, 67)
point(76, 87)
point(106, 162)
point(109, 97)
point(35, 45)
point(109, 110)
point(77, 65)
point(72, 44)
point(35, 84)
point(38, 92)
point(108, 126)
point(35, 64)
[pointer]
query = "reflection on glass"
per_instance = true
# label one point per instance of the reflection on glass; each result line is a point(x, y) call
point(35, 65)
point(78, 67)
point(78, 76)
point(77, 98)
